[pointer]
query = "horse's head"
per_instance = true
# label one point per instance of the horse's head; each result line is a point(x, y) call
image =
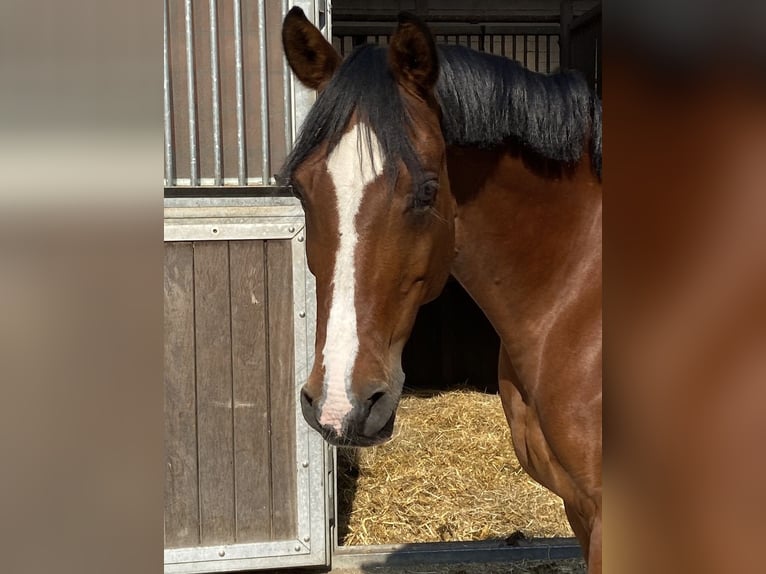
point(370, 170)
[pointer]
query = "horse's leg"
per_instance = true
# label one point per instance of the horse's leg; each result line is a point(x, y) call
point(589, 537)
point(594, 564)
point(582, 501)
point(579, 527)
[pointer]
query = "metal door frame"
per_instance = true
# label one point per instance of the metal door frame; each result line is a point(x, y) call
point(259, 218)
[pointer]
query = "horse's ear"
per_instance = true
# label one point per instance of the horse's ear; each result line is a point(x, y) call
point(311, 57)
point(412, 56)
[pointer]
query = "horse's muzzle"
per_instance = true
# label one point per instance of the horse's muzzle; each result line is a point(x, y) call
point(368, 423)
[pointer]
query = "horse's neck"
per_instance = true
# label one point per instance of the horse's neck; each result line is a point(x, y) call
point(528, 245)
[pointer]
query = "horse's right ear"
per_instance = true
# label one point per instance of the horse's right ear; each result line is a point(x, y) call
point(412, 56)
point(311, 57)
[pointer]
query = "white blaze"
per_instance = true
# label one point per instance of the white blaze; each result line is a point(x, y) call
point(352, 165)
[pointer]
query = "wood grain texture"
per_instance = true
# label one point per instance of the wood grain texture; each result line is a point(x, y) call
point(178, 78)
point(252, 79)
point(227, 71)
point(276, 85)
point(204, 87)
point(181, 495)
point(250, 369)
point(214, 391)
point(282, 386)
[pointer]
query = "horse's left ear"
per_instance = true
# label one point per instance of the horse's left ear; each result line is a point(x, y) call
point(412, 56)
point(311, 57)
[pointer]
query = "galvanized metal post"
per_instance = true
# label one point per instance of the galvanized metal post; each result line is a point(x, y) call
point(287, 91)
point(191, 94)
point(167, 112)
point(266, 156)
point(240, 95)
point(216, 95)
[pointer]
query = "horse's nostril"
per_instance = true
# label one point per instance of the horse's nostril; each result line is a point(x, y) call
point(306, 397)
point(376, 397)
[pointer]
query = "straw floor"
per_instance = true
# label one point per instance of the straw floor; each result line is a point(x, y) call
point(449, 474)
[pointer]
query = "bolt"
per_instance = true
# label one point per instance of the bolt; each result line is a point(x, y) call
point(222, 553)
point(291, 229)
point(300, 239)
point(215, 230)
point(297, 547)
point(302, 314)
point(305, 464)
point(306, 538)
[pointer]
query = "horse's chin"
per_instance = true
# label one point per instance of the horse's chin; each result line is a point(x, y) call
point(381, 437)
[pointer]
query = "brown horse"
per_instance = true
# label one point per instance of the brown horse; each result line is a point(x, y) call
point(417, 162)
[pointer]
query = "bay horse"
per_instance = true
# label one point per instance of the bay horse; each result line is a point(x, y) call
point(416, 162)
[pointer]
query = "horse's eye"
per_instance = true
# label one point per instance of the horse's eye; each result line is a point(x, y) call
point(425, 194)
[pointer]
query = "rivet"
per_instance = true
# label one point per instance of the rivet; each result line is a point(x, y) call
point(302, 314)
point(291, 229)
point(300, 239)
point(222, 553)
point(215, 230)
point(297, 547)
point(305, 464)
point(306, 538)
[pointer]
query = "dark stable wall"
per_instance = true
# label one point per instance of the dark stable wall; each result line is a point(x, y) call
point(452, 344)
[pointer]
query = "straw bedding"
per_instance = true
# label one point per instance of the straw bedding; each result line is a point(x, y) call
point(449, 474)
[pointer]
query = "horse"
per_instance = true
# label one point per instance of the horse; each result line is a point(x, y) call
point(417, 162)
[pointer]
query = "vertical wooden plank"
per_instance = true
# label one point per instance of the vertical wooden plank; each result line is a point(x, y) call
point(277, 111)
point(282, 383)
point(565, 25)
point(203, 79)
point(179, 103)
point(515, 57)
point(548, 54)
point(538, 53)
point(252, 61)
point(228, 88)
point(181, 501)
point(555, 62)
point(250, 371)
point(214, 391)
point(526, 50)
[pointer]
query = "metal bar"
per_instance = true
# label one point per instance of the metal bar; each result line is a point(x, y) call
point(537, 53)
point(342, 17)
point(264, 92)
point(513, 38)
point(596, 78)
point(169, 155)
point(383, 29)
point(548, 54)
point(401, 555)
point(502, 45)
point(287, 92)
point(240, 95)
point(191, 95)
point(525, 50)
point(216, 95)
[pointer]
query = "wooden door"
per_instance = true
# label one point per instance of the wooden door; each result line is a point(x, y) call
point(246, 481)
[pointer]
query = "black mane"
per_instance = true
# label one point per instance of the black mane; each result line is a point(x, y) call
point(486, 101)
